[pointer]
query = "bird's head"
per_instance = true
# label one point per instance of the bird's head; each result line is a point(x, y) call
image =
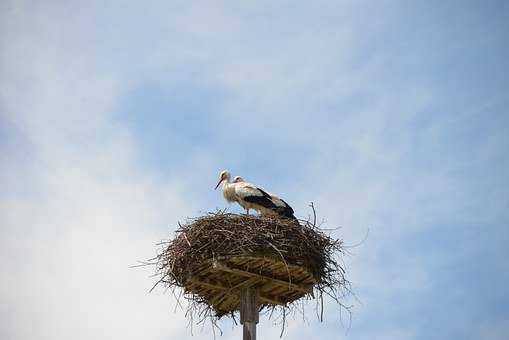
point(223, 176)
point(238, 179)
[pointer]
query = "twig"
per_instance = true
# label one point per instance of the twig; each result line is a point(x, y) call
point(275, 245)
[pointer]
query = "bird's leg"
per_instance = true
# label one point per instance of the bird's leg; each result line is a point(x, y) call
point(247, 211)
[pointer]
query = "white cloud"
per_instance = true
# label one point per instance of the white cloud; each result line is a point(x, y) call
point(67, 246)
point(89, 210)
point(80, 208)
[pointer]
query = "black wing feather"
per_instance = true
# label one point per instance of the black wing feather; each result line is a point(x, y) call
point(287, 207)
point(260, 200)
point(265, 200)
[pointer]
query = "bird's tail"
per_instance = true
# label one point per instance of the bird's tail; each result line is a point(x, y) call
point(286, 213)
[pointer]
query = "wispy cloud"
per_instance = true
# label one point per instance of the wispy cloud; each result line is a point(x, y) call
point(116, 118)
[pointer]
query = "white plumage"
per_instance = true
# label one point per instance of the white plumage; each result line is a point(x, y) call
point(283, 207)
point(250, 196)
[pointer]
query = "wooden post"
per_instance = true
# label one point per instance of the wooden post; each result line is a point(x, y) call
point(249, 312)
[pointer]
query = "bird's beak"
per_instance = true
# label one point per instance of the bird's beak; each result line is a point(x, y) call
point(218, 183)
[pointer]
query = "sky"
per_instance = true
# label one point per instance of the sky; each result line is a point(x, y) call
point(116, 118)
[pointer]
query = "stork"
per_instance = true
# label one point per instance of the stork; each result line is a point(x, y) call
point(283, 209)
point(246, 195)
point(251, 197)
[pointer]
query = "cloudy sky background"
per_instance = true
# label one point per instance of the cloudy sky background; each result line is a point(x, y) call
point(116, 119)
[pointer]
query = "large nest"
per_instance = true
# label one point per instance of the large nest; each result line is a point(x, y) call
point(214, 256)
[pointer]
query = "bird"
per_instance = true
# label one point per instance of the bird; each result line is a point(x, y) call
point(245, 194)
point(283, 209)
point(250, 196)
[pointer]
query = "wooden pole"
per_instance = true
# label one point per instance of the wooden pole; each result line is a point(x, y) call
point(249, 312)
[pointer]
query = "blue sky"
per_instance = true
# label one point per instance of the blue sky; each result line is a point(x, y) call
point(116, 119)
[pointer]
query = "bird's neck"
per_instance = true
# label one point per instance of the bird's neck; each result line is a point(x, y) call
point(229, 191)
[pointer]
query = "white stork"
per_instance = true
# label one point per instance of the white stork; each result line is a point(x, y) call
point(282, 208)
point(251, 197)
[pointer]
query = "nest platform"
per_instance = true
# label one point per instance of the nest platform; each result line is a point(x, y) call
point(212, 258)
point(219, 281)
